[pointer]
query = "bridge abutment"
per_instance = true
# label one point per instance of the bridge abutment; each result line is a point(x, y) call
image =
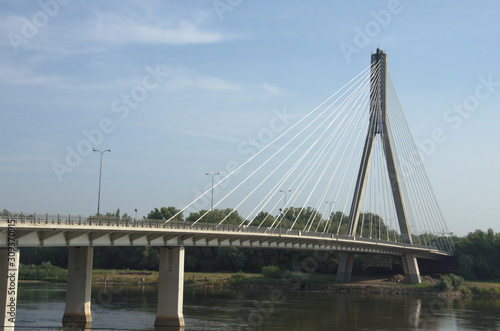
point(77, 312)
point(344, 270)
point(170, 288)
point(9, 266)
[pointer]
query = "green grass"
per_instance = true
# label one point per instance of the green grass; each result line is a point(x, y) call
point(43, 272)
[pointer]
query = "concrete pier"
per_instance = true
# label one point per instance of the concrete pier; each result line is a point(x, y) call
point(77, 312)
point(410, 266)
point(344, 270)
point(170, 288)
point(9, 270)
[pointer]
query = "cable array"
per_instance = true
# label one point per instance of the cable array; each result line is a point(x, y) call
point(316, 160)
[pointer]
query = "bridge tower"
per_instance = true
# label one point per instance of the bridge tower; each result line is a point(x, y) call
point(378, 126)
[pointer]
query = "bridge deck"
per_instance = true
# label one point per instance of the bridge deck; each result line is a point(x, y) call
point(33, 231)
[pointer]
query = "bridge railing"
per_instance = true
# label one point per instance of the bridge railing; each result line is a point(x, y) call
point(113, 221)
point(67, 219)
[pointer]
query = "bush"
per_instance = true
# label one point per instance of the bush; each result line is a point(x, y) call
point(271, 271)
point(457, 281)
point(451, 282)
point(445, 283)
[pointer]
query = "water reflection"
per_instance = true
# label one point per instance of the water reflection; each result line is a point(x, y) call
point(41, 306)
point(169, 328)
point(76, 327)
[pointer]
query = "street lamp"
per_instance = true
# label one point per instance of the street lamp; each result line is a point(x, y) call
point(100, 172)
point(285, 195)
point(213, 175)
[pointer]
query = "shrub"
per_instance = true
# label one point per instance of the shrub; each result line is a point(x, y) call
point(271, 271)
point(445, 283)
point(457, 281)
point(451, 282)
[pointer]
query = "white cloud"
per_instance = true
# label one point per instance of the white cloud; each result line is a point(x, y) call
point(205, 135)
point(272, 89)
point(184, 77)
point(123, 29)
point(10, 75)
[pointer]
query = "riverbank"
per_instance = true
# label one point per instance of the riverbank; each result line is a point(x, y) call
point(390, 285)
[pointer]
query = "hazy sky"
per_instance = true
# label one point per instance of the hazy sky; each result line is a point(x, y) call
point(174, 88)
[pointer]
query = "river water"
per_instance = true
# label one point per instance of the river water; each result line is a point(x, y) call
point(41, 306)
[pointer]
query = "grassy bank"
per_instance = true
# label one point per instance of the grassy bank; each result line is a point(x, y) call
point(50, 273)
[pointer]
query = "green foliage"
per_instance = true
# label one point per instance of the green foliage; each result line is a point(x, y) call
point(445, 283)
point(263, 219)
point(271, 271)
point(478, 254)
point(45, 271)
point(165, 213)
point(237, 278)
point(495, 291)
point(300, 218)
point(457, 281)
point(231, 216)
point(451, 282)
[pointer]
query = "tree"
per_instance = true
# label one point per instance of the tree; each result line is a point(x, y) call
point(231, 216)
point(166, 213)
point(478, 254)
point(299, 218)
point(126, 217)
point(263, 219)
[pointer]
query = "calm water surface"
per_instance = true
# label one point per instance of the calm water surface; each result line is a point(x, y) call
point(41, 306)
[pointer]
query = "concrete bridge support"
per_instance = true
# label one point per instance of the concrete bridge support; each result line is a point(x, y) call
point(410, 266)
point(9, 270)
point(344, 270)
point(77, 312)
point(170, 288)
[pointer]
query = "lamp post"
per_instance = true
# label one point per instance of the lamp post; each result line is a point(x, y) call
point(284, 206)
point(213, 175)
point(100, 172)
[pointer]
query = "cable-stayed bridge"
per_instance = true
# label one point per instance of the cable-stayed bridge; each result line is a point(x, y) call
point(346, 177)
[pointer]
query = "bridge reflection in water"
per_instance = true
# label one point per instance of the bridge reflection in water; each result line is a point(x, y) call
point(134, 308)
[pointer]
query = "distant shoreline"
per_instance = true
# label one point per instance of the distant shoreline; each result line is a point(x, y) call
point(316, 283)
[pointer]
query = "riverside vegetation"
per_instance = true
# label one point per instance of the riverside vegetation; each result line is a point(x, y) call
point(272, 277)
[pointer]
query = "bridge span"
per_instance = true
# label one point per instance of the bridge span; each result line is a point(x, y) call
point(80, 235)
point(67, 230)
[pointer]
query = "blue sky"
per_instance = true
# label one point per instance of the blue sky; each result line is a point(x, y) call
point(174, 89)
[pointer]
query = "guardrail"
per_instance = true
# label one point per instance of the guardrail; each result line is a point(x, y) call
point(67, 219)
